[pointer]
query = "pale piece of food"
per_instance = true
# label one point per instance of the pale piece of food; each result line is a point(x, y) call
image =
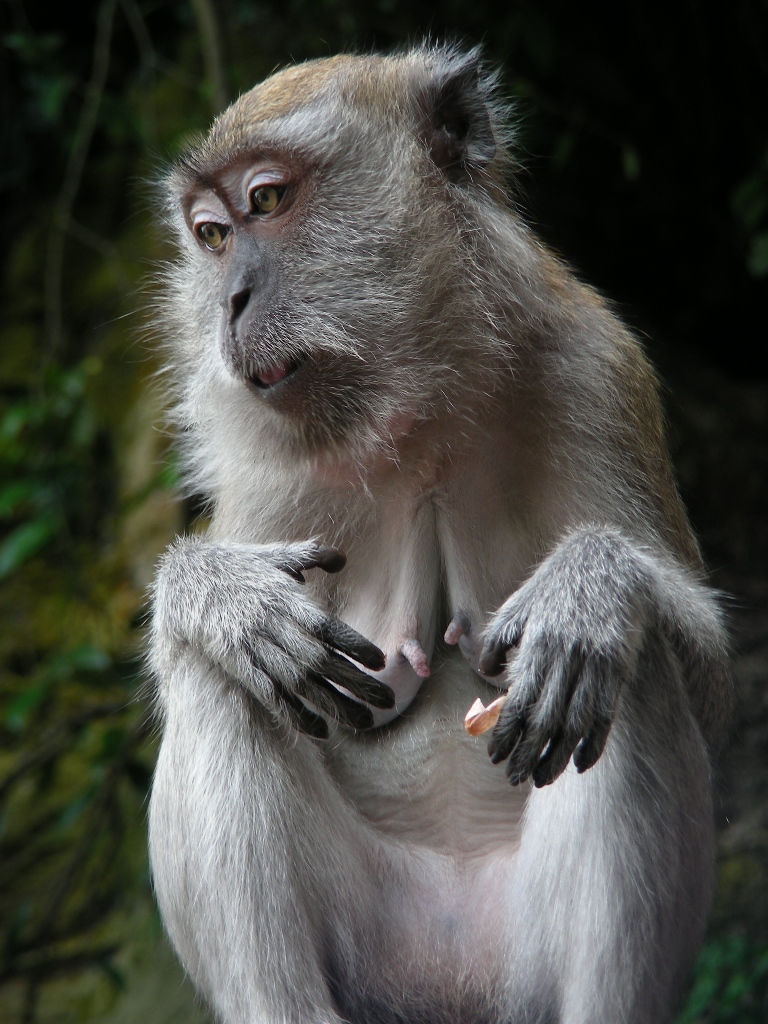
point(480, 719)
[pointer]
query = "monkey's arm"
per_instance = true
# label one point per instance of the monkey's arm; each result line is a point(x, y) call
point(579, 628)
point(242, 607)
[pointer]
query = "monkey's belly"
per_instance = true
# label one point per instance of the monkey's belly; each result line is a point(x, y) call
point(449, 826)
point(423, 780)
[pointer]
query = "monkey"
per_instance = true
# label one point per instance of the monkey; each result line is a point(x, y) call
point(436, 469)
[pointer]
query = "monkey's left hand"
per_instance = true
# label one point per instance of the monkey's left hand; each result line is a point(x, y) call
point(577, 625)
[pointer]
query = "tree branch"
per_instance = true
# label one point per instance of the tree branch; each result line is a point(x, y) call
point(62, 211)
point(210, 40)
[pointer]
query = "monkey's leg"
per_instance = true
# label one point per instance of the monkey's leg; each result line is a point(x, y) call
point(617, 863)
point(256, 859)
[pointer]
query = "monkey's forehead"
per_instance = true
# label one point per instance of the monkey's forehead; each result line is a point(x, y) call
point(372, 82)
point(288, 90)
point(386, 87)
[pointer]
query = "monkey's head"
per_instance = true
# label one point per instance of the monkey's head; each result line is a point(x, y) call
point(330, 279)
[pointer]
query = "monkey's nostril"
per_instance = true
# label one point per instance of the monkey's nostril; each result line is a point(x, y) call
point(237, 303)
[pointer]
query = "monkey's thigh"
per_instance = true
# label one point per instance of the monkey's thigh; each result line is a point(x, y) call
point(616, 866)
point(256, 859)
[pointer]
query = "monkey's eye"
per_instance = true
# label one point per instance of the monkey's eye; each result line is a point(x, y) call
point(265, 198)
point(211, 235)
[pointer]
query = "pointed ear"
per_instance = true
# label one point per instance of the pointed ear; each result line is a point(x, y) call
point(459, 131)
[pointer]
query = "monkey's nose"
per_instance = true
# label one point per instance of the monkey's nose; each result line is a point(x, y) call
point(236, 303)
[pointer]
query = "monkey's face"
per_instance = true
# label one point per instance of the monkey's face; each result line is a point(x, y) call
point(242, 226)
point(323, 237)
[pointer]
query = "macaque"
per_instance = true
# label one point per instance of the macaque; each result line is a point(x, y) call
point(437, 471)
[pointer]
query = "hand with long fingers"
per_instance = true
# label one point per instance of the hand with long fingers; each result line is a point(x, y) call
point(243, 607)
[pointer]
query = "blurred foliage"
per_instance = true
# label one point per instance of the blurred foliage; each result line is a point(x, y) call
point(730, 984)
point(645, 135)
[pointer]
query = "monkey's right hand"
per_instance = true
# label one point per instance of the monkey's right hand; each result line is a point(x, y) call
point(241, 606)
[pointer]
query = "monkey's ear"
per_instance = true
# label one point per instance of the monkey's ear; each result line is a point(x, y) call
point(458, 122)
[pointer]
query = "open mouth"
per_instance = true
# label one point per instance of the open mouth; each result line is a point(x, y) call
point(275, 374)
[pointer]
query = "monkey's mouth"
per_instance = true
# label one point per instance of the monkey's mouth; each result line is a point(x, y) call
point(271, 376)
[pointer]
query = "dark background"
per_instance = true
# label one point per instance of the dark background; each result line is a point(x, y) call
point(643, 144)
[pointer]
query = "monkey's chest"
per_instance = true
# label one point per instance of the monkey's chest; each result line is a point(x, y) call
point(425, 565)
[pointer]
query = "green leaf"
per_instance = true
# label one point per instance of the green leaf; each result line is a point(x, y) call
point(749, 201)
point(26, 704)
point(757, 260)
point(25, 541)
point(630, 161)
point(729, 985)
point(563, 149)
point(84, 658)
point(16, 494)
point(74, 811)
point(33, 48)
point(14, 421)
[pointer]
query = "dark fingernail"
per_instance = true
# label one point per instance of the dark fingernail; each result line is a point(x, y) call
point(492, 662)
point(310, 723)
point(363, 718)
point(373, 659)
point(384, 697)
point(331, 559)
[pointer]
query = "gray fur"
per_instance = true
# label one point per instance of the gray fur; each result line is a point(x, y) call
point(482, 437)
